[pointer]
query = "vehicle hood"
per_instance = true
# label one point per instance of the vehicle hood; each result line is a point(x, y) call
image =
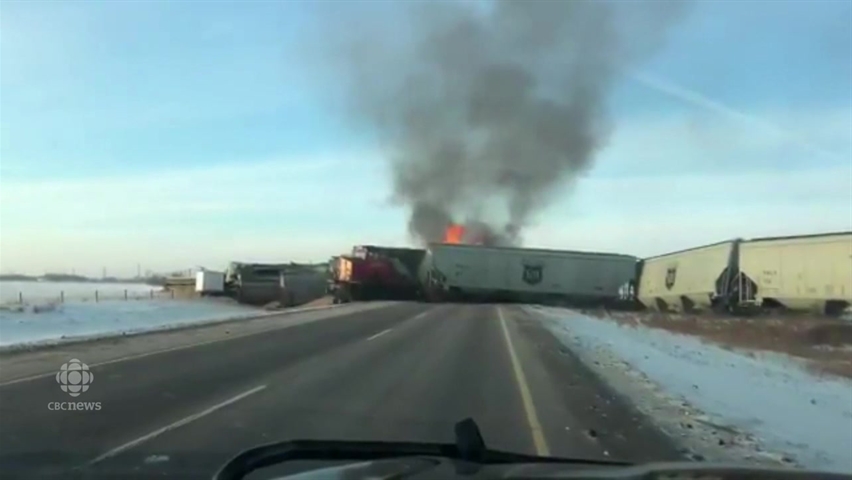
point(373, 470)
point(432, 467)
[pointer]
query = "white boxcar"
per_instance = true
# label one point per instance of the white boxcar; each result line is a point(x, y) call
point(207, 281)
point(523, 273)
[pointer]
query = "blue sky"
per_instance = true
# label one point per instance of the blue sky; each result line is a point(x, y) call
point(192, 133)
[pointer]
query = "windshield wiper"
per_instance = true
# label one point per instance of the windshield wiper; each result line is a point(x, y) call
point(469, 446)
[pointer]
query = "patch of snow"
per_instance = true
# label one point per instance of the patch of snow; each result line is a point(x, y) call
point(723, 404)
point(67, 321)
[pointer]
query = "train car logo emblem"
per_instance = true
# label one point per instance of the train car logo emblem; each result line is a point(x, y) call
point(533, 274)
point(671, 276)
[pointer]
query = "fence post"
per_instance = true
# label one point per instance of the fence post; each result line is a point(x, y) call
point(62, 296)
point(96, 296)
point(125, 294)
point(173, 293)
point(21, 298)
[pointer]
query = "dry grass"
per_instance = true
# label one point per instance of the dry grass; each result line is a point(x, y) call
point(322, 301)
point(319, 302)
point(824, 342)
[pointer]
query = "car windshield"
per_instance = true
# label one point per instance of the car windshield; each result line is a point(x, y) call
point(607, 230)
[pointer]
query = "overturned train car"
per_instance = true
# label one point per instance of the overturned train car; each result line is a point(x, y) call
point(288, 284)
point(807, 272)
point(458, 272)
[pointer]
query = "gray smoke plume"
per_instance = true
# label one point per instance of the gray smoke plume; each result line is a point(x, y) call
point(490, 110)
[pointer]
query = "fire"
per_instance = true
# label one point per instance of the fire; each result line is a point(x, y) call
point(454, 234)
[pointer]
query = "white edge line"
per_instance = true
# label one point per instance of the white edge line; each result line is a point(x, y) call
point(177, 424)
point(178, 347)
point(379, 334)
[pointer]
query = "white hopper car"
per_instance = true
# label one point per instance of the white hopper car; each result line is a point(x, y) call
point(465, 272)
point(803, 272)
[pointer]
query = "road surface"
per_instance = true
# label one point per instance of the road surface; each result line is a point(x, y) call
point(403, 372)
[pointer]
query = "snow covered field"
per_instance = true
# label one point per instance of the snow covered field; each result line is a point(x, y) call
point(57, 322)
point(34, 293)
point(723, 405)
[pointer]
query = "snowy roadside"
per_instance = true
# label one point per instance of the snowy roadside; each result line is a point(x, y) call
point(76, 322)
point(721, 405)
point(26, 363)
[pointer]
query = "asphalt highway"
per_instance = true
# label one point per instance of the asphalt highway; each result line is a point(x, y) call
point(401, 372)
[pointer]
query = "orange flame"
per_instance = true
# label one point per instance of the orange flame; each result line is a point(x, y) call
point(454, 234)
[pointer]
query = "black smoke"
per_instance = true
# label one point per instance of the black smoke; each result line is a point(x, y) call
point(489, 110)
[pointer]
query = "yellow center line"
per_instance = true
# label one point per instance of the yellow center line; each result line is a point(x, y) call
point(539, 441)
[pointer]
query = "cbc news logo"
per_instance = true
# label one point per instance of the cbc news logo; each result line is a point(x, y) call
point(74, 377)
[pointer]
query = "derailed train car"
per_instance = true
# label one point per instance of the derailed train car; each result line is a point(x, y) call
point(477, 272)
point(288, 284)
point(375, 273)
point(693, 279)
point(812, 272)
point(807, 272)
